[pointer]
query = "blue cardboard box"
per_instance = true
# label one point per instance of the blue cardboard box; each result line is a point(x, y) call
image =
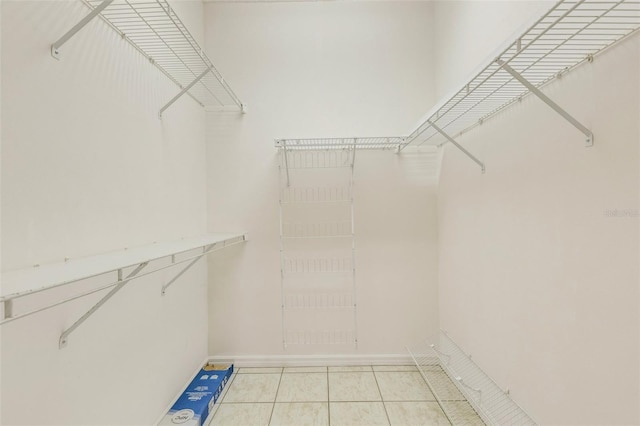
point(196, 402)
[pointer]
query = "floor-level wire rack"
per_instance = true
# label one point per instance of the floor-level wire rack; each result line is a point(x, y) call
point(463, 390)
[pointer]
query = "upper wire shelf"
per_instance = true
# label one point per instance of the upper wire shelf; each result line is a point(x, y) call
point(155, 30)
point(318, 144)
point(572, 32)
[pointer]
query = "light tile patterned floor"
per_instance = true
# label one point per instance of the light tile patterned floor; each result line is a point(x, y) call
point(333, 396)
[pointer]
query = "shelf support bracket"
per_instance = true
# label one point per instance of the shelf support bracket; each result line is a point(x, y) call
point(7, 311)
point(205, 251)
point(286, 162)
point(557, 108)
point(55, 47)
point(122, 282)
point(183, 91)
point(457, 145)
point(353, 159)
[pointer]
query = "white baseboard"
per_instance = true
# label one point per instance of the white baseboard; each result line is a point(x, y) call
point(312, 360)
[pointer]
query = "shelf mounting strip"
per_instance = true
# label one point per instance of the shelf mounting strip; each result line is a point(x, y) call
point(570, 33)
point(154, 29)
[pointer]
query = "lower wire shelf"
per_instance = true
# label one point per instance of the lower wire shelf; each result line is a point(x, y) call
point(466, 394)
point(320, 337)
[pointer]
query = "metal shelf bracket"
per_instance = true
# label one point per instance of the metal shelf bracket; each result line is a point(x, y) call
point(205, 250)
point(7, 309)
point(183, 91)
point(457, 145)
point(557, 108)
point(55, 47)
point(286, 162)
point(122, 282)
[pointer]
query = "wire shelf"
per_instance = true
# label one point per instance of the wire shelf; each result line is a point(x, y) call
point(319, 301)
point(317, 266)
point(315, 144)
point(315, 195)
point(462, 389)
point(155, 30)
point(319, 337)
point(322, 159)
point(317, 230)
point(572, 32)
point(59, 283)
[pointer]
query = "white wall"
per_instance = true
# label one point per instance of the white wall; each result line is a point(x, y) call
point(536, 281)
point(0, 191)
point(87, 167)
point(322, 69)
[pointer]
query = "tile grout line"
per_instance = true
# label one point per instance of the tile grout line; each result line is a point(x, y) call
point(328, 400)
point(223, 396)
point(225, 391)
point(275, 397)
point(384, 405)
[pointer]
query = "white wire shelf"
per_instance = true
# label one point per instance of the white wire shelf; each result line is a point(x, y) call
point(154, 29)
point(22, 282)
point(317, 266)
point(572, 32)
point(321, 159)
point(462, 389)
point(316, 144)
point(317, 230)
point(319, 301)
point(319, 337)
point(316, 195)
point(116, 269)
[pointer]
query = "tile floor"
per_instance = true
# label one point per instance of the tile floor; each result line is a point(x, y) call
point(333, 396)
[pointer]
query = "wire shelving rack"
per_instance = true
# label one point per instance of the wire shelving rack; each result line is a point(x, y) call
point(463, 390)
point(317, 258)
point(154, 29)
point(570, 33)
point(317, 144)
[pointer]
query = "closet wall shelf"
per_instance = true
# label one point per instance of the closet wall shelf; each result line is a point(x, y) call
point(318, 144)
point(124, 265)
point(569, 34)
point(154, 29)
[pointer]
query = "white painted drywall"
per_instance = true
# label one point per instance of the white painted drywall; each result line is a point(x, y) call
point(88, 167)
point(322, 69)
point(538, 278)
point(0, 190)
